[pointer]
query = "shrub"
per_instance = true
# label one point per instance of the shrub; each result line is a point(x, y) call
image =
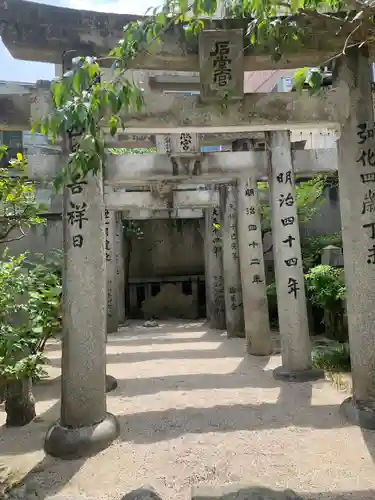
point(332, 359)
point(326, 289)
point(30, 297)
point(312, 247)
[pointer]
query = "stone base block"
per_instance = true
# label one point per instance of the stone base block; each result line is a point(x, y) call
point(358, 414)
point(70, 444)
point(259, 349)
point(241, 492)
point(110, 383)
point(216, 324)
point(309, 375)
point(143, 493)
point(235, 335)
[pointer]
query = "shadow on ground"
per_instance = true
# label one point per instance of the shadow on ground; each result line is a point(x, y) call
point(154, 426)
point(369, 439)
point(163, 425)
point(47, 478)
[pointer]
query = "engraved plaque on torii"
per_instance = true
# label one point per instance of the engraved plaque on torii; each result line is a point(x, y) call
point(183, 144)
point(221, 64)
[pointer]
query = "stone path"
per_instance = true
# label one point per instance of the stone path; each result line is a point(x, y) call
point(194, 411)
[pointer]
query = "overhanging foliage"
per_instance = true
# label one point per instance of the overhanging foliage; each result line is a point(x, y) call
point(83, 102)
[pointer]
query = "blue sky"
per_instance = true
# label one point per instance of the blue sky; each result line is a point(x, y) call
point(26, 71)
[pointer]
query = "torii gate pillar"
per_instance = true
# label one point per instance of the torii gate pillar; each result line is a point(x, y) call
point(357, 200)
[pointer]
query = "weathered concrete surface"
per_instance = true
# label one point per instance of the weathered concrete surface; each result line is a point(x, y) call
point(213, 262)
point(232, 86)
point(234, 311)
point(39, 32)
point(194, 412)
point(272, 111)
point(178, 145)
point(182, 213)
point(122, 200)
point(120, 269)
point(59, 28)
point(356, 174)
point(173, 113)
point(290, 287)
point(71, 444)
point(84, 403)
point(253, 280)
point(122, 169)
point(84, 426)
point(111, 269)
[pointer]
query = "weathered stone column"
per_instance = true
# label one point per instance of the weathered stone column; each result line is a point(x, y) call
point(84, 427)
point(214, 269)
point(207, 249)
point(232, 279)
point(110, 257)
point(254, 296)
point(120, 270)
point(291, 299)
point(357, 202)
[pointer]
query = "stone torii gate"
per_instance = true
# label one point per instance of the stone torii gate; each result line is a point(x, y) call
point(169, 191)
point(85, 426)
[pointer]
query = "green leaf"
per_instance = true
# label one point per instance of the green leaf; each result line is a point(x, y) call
point(38, 329)
point(88, 143)
point(35, 127)
point(296, 5)
point(113, 101)
point(57, 92)
point(299, 78)
point(315, 80)
point(77, 81)
point(113, 125)
point(82, 114)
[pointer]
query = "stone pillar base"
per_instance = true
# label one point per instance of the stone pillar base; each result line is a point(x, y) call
point(216, 324)
point(110, 383)
point(70, 444)
point(309, 375)
point(263, 349)
point(235, 335)
point(358, 414)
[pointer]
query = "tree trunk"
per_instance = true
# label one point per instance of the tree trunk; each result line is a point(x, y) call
point(19, 403)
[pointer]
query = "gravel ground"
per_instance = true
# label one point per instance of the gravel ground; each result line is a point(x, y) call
point(193, 410)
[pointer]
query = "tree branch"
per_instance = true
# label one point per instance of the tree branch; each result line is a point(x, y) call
point(269, 250)
point(321, 16)
point(349, 37)
point(16, 224)
point(2, 240)
point(264, 232)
